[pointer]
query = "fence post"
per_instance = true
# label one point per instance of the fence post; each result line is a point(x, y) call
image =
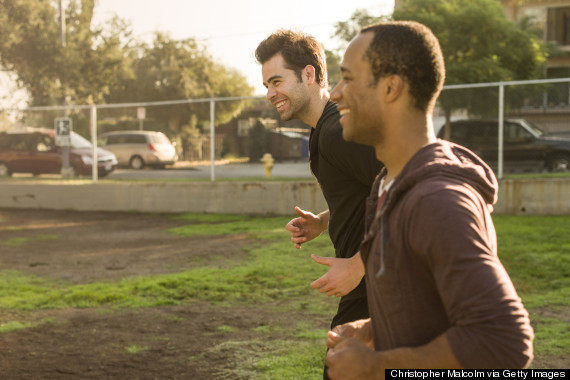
point(94, 165)
point(212, 140)
point(501, 129)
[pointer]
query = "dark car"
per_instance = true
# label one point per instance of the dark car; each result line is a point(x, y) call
point(526, 147)
point(33, 150)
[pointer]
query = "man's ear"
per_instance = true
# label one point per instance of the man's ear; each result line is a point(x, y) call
point(393, 87)
point(309, 74)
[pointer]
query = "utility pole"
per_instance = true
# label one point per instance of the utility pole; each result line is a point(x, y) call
point(66, 170)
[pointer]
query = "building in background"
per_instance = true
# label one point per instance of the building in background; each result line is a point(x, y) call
point(552, 19)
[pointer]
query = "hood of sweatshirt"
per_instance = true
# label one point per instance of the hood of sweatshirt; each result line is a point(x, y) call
point(445, 159)
point(442, 159)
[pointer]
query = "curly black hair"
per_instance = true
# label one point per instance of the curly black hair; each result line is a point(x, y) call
point(411, 50)
point(298, 50)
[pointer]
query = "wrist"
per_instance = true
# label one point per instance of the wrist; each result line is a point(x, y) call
point(357, 264)
point(323, 218)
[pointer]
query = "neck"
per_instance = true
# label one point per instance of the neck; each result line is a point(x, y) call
point(402, 141)
point(316, 106)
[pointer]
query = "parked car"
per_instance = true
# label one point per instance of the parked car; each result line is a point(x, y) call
point(525, 146)
point(33, 150)
point(138, 149)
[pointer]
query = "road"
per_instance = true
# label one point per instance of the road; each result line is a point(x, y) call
point(286, 169)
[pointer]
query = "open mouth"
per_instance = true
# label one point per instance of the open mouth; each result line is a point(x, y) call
point(280, 104)
point(344, 111)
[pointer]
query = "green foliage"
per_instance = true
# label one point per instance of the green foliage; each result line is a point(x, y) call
point(347, 30)
point(135, 349)
point(535, 251)
point(552, 334)
point(305, 361)
point(257, 142)
point(274, 271)
point(333, 68)
point(479, 45)
point(171, 69)
point(106, 65)
point(91, 60)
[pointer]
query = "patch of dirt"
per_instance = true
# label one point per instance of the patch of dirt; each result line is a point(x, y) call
point(170, 342)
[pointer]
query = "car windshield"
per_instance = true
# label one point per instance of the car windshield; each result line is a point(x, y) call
point(533, 128)
point(77, 141)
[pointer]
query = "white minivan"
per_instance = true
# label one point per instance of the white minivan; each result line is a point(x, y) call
point(138, 149)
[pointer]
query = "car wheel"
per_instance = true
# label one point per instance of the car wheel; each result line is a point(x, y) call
point(560, 164)
point(4, 170)
point(136, 163)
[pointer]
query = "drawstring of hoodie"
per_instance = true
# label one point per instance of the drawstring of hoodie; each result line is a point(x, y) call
point(384, 231)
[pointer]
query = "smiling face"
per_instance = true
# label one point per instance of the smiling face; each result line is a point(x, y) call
point(285, 90)
point(357, 95)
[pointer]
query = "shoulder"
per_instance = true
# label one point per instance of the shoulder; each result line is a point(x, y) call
point(441, 203)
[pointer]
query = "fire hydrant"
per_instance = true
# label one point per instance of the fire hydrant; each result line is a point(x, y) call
point(267, 160)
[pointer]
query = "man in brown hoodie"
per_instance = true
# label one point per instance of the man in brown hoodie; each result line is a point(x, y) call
point(437, 293)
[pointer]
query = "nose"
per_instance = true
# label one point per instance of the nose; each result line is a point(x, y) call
point(336, 93)
point(270, 92)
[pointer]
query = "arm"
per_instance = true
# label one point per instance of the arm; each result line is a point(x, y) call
point(307, 226)
point(343, 276)
point(489, 327)
point(350, 358)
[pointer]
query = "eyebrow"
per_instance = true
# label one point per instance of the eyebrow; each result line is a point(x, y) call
point(344, 70)
point(271, 79)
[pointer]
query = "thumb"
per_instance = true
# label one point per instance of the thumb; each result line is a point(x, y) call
point(322, 260)
point(333, 339)
point(302, 213)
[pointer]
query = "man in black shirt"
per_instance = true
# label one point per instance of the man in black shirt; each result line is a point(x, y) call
point(294, 73)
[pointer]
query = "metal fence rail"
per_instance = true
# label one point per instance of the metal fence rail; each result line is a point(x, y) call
point(538, 96)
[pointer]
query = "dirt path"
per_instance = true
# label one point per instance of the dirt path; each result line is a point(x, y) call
point(170, 342)
point(173, 342)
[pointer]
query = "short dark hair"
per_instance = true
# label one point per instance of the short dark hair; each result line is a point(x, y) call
point(298, 50)
point(411, 50)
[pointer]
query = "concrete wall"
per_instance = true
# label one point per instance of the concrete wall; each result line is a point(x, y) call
point(218, 197)
point(517, 197)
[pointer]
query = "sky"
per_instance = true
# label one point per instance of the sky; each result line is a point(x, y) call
point(232, 29)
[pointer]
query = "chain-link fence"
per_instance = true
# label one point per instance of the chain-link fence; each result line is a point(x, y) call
point(515, 126)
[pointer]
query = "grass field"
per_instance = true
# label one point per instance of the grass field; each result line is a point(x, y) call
point(535, 251)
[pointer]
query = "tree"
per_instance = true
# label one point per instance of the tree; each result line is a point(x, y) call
point(81, 71)
point(479, 45)
point(333, 68)
point(258, 140)
point(345, 31)
point(169, 69)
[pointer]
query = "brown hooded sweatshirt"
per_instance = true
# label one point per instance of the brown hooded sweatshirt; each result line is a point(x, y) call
point(432, 267)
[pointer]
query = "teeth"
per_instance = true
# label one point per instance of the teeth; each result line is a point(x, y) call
point(280, 104)
point(344, 112)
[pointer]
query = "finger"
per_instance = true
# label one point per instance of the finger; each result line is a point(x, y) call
point(333, 339)
point(298, 233)
point(333, 292)
point(302, 213)
point(298, 241)
point(322, 260)
point(292, 227)
point(319, 283)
